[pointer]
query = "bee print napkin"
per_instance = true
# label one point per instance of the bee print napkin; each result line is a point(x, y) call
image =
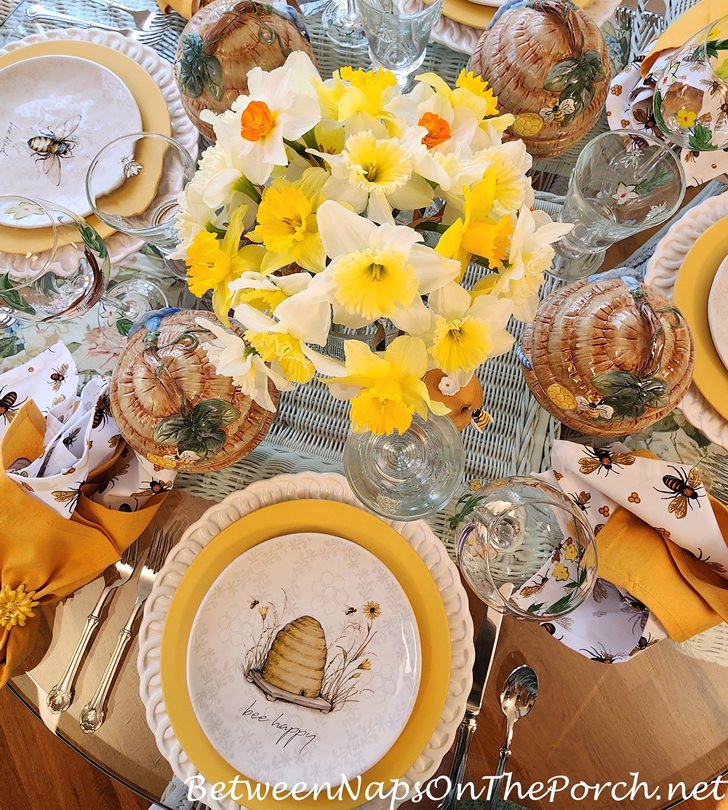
point(612, 624)
point(83, 449)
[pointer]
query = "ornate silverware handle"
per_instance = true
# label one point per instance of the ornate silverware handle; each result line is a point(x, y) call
point(466, 730)
point(61, 695)
point(499, 771)
point(92, 714)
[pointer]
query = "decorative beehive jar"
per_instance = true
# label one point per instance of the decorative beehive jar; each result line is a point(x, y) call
point(172, 407)
point(222, 43)
point(607, 357)
point(548, 64)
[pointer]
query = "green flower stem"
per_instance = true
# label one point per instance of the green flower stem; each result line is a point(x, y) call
point(246, 187)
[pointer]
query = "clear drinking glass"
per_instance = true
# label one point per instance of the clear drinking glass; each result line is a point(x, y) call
point(70, 277)
point(397, 37)
point(691, 97)
point(156, 169)
point(343, 25)
point(528, 535)
point(624, 182)
point(406, 476)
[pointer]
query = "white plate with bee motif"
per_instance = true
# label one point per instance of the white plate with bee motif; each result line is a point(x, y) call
point(298, 652)
point(56, 114)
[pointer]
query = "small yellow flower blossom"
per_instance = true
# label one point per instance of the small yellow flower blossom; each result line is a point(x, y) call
point(212, 264)
point(475, 486)
point(287, 223)
point(561, 572)
point(16, 606)
point(571, 551)
point(366, 665)
point(354, 91)
point(561, 396)
point(372, 610)
point(263, 610)
point(470, 91)
point(287, 350)
point(162, 462)
point(685, 118)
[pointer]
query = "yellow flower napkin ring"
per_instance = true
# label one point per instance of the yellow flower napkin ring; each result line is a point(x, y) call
point(16, 606)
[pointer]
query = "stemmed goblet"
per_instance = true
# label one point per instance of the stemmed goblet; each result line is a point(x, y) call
point(343, 24)
point(68, 278)
point(528, 535)
point(155, 169)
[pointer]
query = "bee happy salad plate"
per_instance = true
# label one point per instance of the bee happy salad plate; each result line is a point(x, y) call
point(56, 113)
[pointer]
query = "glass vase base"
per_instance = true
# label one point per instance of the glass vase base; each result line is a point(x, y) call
point(341, 29)
point(574, 268)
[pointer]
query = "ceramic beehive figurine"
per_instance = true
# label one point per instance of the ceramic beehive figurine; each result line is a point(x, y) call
point(294, 667)
point(607, 357)
point(171, 405)
point(222, 43)
point(547, 63)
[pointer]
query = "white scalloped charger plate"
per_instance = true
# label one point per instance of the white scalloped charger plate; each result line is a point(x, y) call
point(264, 493)
point(121, 245)
point(661, 273)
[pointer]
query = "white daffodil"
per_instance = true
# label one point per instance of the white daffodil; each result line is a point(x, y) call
point(465, 332)
point(377, 174)
point(232, 358)
point(529, 256)
point(279, 106)
point(265, 292)
point(376, 271)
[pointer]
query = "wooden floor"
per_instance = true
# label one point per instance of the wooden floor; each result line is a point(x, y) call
point(40, 772)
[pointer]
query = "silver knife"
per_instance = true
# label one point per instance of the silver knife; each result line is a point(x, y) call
point(485, 645)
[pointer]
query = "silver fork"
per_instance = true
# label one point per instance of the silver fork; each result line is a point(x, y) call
point(93, 714)
point(143, 19)
point(61, 695)
point(39, 14)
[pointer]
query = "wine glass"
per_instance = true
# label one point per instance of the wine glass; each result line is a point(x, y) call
point(65, 271)
point(406, 476)
point(529, 536)
point(690, 100)
point(154, 169)
point(343, 24)
point(624, 182)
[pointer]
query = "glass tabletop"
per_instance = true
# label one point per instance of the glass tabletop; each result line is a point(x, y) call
point(663, 715)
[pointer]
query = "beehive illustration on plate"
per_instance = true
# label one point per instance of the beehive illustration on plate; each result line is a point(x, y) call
point(293, 670)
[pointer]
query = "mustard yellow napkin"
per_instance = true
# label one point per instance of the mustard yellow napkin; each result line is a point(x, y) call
point(186, 8)
point(687, 24)
point(43, 555)
point(686, 595)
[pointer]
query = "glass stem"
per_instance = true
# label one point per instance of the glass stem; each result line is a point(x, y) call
point(351, 10)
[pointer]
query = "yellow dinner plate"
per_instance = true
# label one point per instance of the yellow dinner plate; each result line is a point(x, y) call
point(152, 106)
point(692, 289)
point(467, 13)
point(328, 517)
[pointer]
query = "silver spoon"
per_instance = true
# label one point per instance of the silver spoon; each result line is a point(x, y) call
point(517, 698)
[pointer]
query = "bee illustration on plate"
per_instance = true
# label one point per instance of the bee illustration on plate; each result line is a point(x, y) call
point(600, 654)
point(52, 145)
point(643, 643)
point(559, 111)
point(597, 410)
point(532, 590)
point(9, 405)
point(603, 459)
point(716, 566)
point(350, 611)
point(581, 500)
point(58, 376)
point(681, 490)
point(254, 603)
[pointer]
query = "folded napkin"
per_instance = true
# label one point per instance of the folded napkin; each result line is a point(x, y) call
point(680, 31)
point(185, 8)
point(74, 494)
point(629, 103)
point(663, 556)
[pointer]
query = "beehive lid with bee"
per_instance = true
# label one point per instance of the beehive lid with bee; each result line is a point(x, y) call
point(172, 407)
point(608, 357)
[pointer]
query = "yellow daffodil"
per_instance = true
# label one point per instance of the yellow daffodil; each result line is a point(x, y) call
point(477, 233)
point(16, 606)
point(232, 358)
point(385, 388)
point(280, 105)
point(212, 263)
point(377, 174)
point(508, 166)
point(376, 271)
point(287, 223)
point(266, 293)
point(466, 332)
point(470, 91)
point(354, 94)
